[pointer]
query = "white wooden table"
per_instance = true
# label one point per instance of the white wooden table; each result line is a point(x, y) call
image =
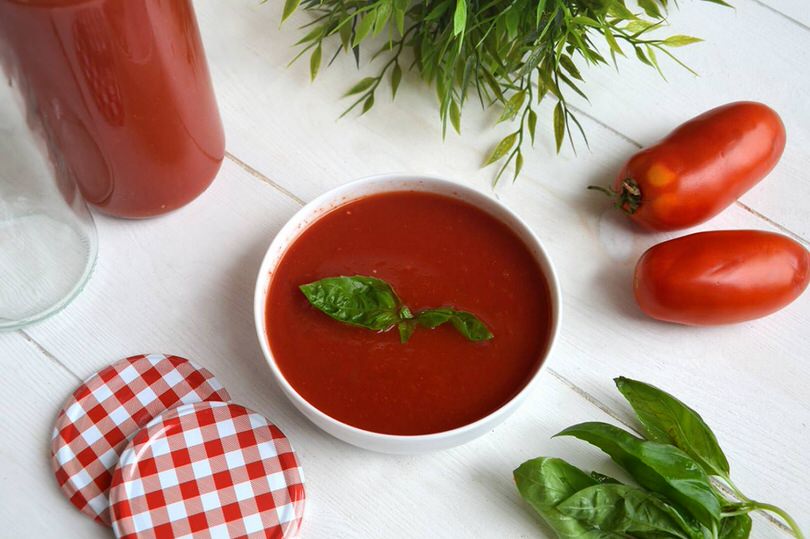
point(183, 283)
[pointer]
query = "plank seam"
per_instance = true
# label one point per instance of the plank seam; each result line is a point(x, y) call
point(773, 223)
point(45, 352)
point(591, 399)
point(782, 14)
point(261, 177)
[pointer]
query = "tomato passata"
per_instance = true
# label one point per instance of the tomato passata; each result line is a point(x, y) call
point(699, 169)
point(721, 277)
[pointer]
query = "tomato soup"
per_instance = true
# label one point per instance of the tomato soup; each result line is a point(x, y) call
point(435, 251)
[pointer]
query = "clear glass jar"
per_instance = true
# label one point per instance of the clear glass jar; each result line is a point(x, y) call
point(117, 107)
point(48, 241)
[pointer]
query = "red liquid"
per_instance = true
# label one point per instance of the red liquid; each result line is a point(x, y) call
point(123, 94)
point(435, 251)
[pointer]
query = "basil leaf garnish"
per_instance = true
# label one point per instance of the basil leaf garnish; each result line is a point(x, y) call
point(661, 468)
point(405, 328)
point(371, 303)
point(465, 323)
point(668, 420)
point(360, 301)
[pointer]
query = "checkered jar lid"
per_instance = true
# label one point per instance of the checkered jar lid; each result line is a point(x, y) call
point(214, 470)
point(94, 425)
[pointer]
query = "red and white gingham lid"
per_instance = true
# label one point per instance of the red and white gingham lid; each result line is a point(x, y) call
point(213, 470)
point(94, 425)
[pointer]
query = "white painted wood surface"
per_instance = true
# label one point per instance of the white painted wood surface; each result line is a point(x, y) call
point(183, 283)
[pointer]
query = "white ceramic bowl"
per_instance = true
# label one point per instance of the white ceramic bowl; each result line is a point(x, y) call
point(389, 443)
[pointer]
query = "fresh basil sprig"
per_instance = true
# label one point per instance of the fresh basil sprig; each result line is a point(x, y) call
point(371, 303)
point(678, 465)
point(659, 467)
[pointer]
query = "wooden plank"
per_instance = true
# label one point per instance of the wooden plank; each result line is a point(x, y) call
point(33, 390)
point(794, 10)
point(183, 284)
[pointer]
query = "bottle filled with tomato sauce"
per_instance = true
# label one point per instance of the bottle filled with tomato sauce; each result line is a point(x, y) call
point(123, 93)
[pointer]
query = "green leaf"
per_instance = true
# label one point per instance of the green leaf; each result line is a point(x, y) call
point(650, 8)
point(361, 86)
point(502, 148)
point(662, 468)
point(569, 66)
point(455, 116)
point(465, 323)
point(532, 119)
point(359, 301)
point(470, 326)
point(400, 7)
point(364, 28)
point(346, 36)
point(315, 62)
point(546, 482)
point(611, 41)
point(559, 125)
point(736, 527)
point(440, 9)
point(626, 509)
point(460, 17)
point(405, 328)
point(289, 7)
point(638, 26)
point(433, 318)
point(668, 420)
point(396, 78)
point(518, 164)
point(368, 104)
point(513, 106)
point(680, 41)
point(640, 55)
point(313, 35)
point(383, 14)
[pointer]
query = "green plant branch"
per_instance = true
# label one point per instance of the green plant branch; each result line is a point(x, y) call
point(494, 47)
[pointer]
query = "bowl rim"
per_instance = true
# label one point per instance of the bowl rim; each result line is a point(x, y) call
point(336, 197)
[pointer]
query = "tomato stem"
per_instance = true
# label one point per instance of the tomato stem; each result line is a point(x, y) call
point(628, 198)
point(605, 190)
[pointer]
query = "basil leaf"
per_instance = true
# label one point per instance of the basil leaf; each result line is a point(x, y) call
point(405, 328)
point(465, 323)
point(546, 482)
point(627, 509)
point(360, 301)
point(662, 468)
point(470, 326)
point(736, 527)
point(668, 420)
point(433, 318)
